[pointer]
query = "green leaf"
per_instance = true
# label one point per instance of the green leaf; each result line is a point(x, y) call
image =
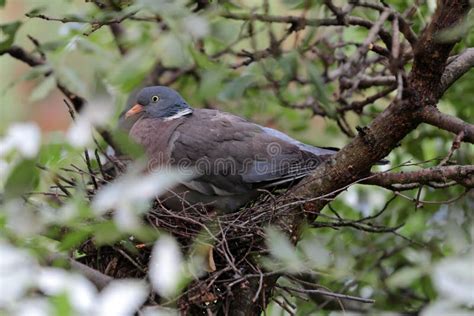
point(32, 73)
point(281, 249)
point(74, 238)
point(42, 90)
point(127, 146)
point(23, 178)
point(2, 3)
point(50, 154)
point(236, 88)
point(62, 305)
point(106, 233)
point(70, 78)
point(132, 70)
point(7, 34)
point(404, 277)
point(201, 60)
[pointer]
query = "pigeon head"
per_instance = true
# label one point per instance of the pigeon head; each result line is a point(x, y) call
point(159, 102)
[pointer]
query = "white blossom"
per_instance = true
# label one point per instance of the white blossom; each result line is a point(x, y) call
point(17, 273)
point(166, 266)
point(24, 137)
point(121, 297)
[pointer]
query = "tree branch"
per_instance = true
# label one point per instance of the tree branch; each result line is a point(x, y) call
point(463, 175)
point(77, 101)
point(433, 116)
point(461, 64)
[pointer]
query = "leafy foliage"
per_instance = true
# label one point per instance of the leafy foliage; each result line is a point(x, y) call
point(410, 252)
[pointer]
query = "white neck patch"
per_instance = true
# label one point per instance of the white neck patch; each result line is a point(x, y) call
point(179, 114)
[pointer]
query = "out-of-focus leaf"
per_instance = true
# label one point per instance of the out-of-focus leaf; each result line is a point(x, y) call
point(70, 78)
point(106, 233)
point(42, 90)
point(23, 178)
point(2, 3)
point(299, 4)
point(62, 305)
point(404, 277)
point(458, 31)
point(74, 238)
point(236, 88)
point(454, 279)
point(128, 146)
point(50, 154)
point(130, 72)
point(173, 52)
point(201, 60)
point(289, 63)
point(196, 25)
point(282, 250)
point(7, 34)
point(319, 89)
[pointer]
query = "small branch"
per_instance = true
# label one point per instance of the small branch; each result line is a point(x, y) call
point(20, 54)
point(461, 64)
point(299, 22)
point(455, 146)
point(433, 116)
point(95, 24)
point(99, 279)
point(327, 293)
point(463, 175)
point(77, 101)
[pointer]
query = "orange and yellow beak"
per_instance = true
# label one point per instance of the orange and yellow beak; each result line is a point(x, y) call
point(137, 108)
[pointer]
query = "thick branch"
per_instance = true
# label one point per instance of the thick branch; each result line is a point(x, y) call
point(433, 116)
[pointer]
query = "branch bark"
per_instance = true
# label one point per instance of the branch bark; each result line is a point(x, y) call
point(463, 175)
point(433, 116)
point(460, 65)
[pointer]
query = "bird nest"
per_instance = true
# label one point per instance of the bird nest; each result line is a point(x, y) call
point(231, 242)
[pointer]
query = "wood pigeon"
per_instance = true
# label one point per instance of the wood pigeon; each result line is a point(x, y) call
point(231, 158)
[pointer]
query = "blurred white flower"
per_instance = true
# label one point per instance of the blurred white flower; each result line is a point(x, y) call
point(95, 114)
point(158, 311)
point(166, 266)
point(454, 279)
point(121, 297)
point(80, 133)
point(129, 195)
point(66, 28)
point(38, 306)
point(197, 26)
point(80, 291)
point(24, 137)
point(23, 220)
point(18, 272)
point(445, 307)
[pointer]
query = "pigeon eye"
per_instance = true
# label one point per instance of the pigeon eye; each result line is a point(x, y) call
point(155, 98)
